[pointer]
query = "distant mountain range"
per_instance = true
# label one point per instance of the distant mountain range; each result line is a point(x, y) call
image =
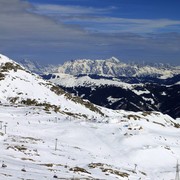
point(110, 67)
point(114, 67)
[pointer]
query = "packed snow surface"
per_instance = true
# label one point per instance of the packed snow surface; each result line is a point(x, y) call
point(124, 146)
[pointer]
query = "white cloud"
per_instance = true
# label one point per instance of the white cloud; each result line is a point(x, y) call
point(24, 26)
point(69, 10)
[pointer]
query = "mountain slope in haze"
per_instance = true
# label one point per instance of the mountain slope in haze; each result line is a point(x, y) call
point(19, 86)
point(37, 68)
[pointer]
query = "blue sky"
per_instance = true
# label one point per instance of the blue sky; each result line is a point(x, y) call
point(53, 31)
point(126, 8)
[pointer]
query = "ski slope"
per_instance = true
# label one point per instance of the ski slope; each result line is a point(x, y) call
point(123, 145)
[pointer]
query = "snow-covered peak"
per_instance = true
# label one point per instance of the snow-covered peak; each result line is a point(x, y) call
point(4, 59)
point(113, 60)
point(87, 66)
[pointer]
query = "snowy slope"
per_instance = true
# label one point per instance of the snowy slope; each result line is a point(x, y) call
point(125, 146)
point(19, 86)
point(68, 80)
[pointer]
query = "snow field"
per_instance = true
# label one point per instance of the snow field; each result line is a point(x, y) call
point(101, 150)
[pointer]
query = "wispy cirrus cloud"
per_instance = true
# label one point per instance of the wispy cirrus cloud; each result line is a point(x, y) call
point(100, 20)
point(67, 10)
point(121, 25)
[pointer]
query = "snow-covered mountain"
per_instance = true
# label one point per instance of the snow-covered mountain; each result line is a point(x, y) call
point(116, 68)
point(110, 67)
point(19, 86)
point(46, 133)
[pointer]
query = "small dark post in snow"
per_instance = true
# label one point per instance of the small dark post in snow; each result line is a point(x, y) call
point(3, 165)
point(23, 169)
point(135, 167)
point(56, 144)
point(0, 124)
point(55, 176)
point(5, 126)
point(177, 172)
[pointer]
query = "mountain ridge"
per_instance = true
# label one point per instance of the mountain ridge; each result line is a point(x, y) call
point(115, 67)
point(110, 67)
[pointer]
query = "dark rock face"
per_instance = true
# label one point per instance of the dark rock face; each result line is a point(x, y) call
point(165, 99)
